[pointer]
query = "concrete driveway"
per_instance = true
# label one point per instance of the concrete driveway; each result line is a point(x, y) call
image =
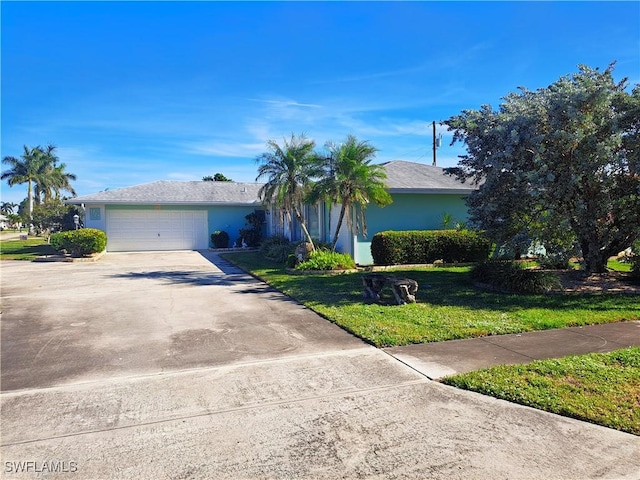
point(177, 365)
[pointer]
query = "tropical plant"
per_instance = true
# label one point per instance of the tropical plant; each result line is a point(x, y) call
point(54, 178)
point(561, 163)
point(7, 207)
point(351, 180)
point(327, 260)
point(289, 170)
point(39, 169)
point(251, 234)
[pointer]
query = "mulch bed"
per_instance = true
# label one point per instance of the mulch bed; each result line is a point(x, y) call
point(610, 282)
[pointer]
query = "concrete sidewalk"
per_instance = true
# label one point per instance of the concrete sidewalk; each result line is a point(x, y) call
point(437, 360)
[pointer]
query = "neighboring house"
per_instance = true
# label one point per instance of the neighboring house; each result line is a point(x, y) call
point(168, 215)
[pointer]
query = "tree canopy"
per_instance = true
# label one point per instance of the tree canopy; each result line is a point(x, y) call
point(218, 177)
point(39, 168)
point(559, 165)
point(349, 179)
point(289, 169)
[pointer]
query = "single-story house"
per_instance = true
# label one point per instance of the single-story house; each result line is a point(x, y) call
point(170, 215)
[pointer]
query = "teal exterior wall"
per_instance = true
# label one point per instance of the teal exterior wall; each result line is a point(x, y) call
point(219, 217)
point(228, 218)
point(409, 211)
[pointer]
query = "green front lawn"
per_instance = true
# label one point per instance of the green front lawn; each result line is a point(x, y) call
point(29, 249)
point(448, 306)
point(598, 388)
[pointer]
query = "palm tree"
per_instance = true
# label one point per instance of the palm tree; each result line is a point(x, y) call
point(26, 169)
point(353, 182)
point(7, 208)
point(289, 170)
point(54, 178)
point(38, 168)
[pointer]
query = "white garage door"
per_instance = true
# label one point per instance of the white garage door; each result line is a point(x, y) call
point(139, 230)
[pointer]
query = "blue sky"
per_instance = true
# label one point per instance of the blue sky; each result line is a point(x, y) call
point(132, 92)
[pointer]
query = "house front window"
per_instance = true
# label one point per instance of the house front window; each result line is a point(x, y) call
point(312, 218)
point(95, 214)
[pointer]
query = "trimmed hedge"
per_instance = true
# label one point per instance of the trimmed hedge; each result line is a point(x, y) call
point(84, 241)
point(427, 246)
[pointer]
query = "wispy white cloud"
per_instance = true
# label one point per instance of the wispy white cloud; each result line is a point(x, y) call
point(285, 103)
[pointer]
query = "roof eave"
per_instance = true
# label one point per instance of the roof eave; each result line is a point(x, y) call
point(442, 191)
point(80, 201)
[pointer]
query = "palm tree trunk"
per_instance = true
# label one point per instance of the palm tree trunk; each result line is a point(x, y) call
point(30, 199)
point(304, 227)
point(343, 209)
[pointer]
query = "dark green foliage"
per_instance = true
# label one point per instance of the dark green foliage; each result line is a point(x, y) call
point(327, 260)
point(513, 277)
point(220, 239)
point(427, 246)
point(277, 248)
point(252, 233)
point(80, 242)
point(635, 260)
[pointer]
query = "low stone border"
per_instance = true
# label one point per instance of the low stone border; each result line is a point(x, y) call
point(69, 259)
point(293, 271)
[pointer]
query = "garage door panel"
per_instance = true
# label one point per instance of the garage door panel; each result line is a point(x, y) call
point(138, 230)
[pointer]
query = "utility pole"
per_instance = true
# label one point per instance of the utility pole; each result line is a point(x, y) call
point(434, 143)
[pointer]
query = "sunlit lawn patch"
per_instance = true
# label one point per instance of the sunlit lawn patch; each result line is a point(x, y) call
point(448, 305)
point(29, 249)
point(598, 388)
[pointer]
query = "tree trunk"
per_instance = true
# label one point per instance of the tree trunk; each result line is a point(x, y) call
point(343, 209)
point(595, 259)
point(304, 227)
point(30, 199)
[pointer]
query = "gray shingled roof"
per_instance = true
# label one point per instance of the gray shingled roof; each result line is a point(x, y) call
point(177, 193)
point(420, 178)
point(402, 177)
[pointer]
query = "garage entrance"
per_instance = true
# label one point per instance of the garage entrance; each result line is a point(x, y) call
point(141, 230)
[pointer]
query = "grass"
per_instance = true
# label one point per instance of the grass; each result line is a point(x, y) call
point(448, 306)
point(601, 388)
point(28, 249)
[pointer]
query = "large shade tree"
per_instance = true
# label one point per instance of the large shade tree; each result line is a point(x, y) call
point(560, 164)
point(353, 182)
point(289, 170)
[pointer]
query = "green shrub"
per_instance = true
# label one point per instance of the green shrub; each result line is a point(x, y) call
point(635, 260)
point(427, 246)
point(220, 239)
point(277, 248)
point(514, 277)
point(80, 242)
point(59, 241)
point(327, 260)
point(251, 234)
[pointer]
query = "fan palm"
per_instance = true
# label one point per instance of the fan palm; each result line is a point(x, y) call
point(353, 182)
point(289, 170)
